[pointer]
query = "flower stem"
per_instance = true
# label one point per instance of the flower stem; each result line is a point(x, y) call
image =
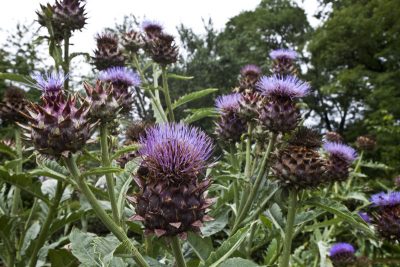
point(356, 170)
point(254, 189)
point(103, 216)
point(166, 94)
point(66, 60)
point(289, 229)
point(176, 249)
point(105, 160)
point(46, 225)
point(247, 171)
point(18, 169)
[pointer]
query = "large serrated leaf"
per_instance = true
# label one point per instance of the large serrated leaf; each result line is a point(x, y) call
point(7, 150)
point(29, 236)
point(16, 78)
point(202, 246)
point(92, 250)
point(60, 222)
point(123, 182)
point(238, 262)
point(179, 77)
point(200, 114)
point(272, 251)
point(101, 171)
point(216, 225)
point(342, 212)
point(124, 150)
point(226, 249)
point(24, 182)
point(192, 96)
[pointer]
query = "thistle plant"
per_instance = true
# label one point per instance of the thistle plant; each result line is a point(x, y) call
point(120, 152)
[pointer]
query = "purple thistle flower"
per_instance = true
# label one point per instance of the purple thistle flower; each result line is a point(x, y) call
point(175, 151)
point(283, 54)
point(364, 216)
point(385, 199)
point(228, 102)
point(50, 82)
point(341, 248)
point(152, 26)
point(278, 86)
point(251, 69)
point(341, 151)
point(120, 76)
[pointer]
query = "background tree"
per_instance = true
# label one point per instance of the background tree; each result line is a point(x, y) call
point(355, 59)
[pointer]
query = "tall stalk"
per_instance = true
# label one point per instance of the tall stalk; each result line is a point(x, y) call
point(18, 169)
point(247, 171)
point(176, 249)
point(289, 229)
point(105, 160)
point(263, 169)
point(166, 93)
point(44, 232)
point(103, 216)
point(66, 60)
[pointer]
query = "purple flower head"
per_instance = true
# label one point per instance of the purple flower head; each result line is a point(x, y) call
point(341, 248)
point(152, 26)
point(278, 86)
point(385, 199)
point(283, 54)
point(364, 216)
point(228, 102)
point(50, 82)
point(341, 151)
point(120, 76)
point(175, 152)
point(250, 70)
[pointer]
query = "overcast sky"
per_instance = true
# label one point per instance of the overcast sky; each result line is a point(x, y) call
point(171, 13)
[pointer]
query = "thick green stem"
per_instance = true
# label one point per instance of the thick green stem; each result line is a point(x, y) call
point(176, 249)
point(66, 60)
point(143, 78)
point(18, 169)
point(105, 160)
point(263, 169)
point(356, 170)
point(289, 229)
point(103, 216)
point(46, 225)
point(166, 93)
point(247, 170)
point(250, 240)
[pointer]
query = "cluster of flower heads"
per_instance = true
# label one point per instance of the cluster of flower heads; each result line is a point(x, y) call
point(65, 16)
point(171, 200)
point(112, 51)
point(270, 103)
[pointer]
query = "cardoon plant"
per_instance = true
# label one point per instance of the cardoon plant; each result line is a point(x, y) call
point(60, 124)
point(122, 80)
point(230, 125)
point(280, 113)
point(13, 105)
point(283, 61)
point(171, 200)
point(342, 254)
point(340, 158)
point(385, 215)
point(108, 54)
